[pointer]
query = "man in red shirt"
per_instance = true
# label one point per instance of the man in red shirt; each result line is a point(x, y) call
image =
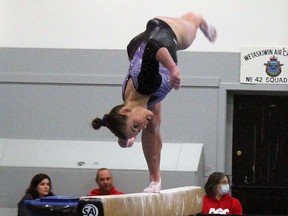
point(104, 180)
point(217, 199)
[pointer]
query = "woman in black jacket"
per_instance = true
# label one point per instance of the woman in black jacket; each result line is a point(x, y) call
point(40, 186)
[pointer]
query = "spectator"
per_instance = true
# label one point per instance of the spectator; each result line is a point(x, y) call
point(40, 186)
point(217, 199)
point(104, 180)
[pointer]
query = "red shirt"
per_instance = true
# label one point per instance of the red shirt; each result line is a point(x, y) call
point(97, 192)
point(226, 205)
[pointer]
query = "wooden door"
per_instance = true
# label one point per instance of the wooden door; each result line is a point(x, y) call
point(260, 153)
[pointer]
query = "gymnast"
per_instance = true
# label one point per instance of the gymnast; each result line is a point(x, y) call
point(152, 74)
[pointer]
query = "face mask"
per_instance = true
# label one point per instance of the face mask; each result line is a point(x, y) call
point(224, 189)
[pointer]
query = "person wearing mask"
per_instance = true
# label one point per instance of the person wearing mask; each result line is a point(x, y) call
point(104, 180)
point(40, 187)
point(217, 199)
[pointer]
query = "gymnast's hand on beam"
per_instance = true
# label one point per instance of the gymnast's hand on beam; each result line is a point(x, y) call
point(154, 187)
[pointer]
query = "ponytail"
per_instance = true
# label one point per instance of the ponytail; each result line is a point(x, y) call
point(115, 121)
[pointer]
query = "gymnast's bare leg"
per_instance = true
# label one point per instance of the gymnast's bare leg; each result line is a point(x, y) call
point(152, 145)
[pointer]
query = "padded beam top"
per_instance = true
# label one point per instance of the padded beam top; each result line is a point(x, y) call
point(181, 201)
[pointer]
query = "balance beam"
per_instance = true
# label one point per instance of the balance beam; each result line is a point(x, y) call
point(181, 201)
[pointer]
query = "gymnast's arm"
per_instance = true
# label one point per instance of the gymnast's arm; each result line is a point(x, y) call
point(164, 57)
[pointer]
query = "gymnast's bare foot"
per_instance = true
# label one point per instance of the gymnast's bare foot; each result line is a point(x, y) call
point(209, 31)
point(154, 187)
point(175, 80)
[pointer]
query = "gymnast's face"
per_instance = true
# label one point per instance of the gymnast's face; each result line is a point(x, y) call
point(138, 119)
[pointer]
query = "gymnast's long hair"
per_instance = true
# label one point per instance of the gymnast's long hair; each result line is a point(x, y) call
point(115, 121)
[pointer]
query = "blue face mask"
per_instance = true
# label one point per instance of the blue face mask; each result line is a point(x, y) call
point(224, 189)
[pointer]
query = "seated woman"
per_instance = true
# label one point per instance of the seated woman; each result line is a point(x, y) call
point(217, 199)
point(40, 186)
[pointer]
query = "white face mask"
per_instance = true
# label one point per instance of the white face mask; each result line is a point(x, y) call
point(224, 189)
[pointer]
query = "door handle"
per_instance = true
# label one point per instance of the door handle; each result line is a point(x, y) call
point(239, 153)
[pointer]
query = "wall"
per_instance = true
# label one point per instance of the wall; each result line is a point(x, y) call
point(48, 98)
point(92, 24)
point(74, 175)
point(47, 94)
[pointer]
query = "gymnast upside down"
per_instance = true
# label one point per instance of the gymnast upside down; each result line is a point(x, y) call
point(152, 74)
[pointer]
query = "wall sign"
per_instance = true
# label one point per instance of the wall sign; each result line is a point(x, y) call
point(264, 65)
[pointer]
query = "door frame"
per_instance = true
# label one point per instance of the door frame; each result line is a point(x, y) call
point(225, 117)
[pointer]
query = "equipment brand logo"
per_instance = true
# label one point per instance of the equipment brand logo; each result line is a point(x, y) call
point(90, 210)
point(273, 67)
